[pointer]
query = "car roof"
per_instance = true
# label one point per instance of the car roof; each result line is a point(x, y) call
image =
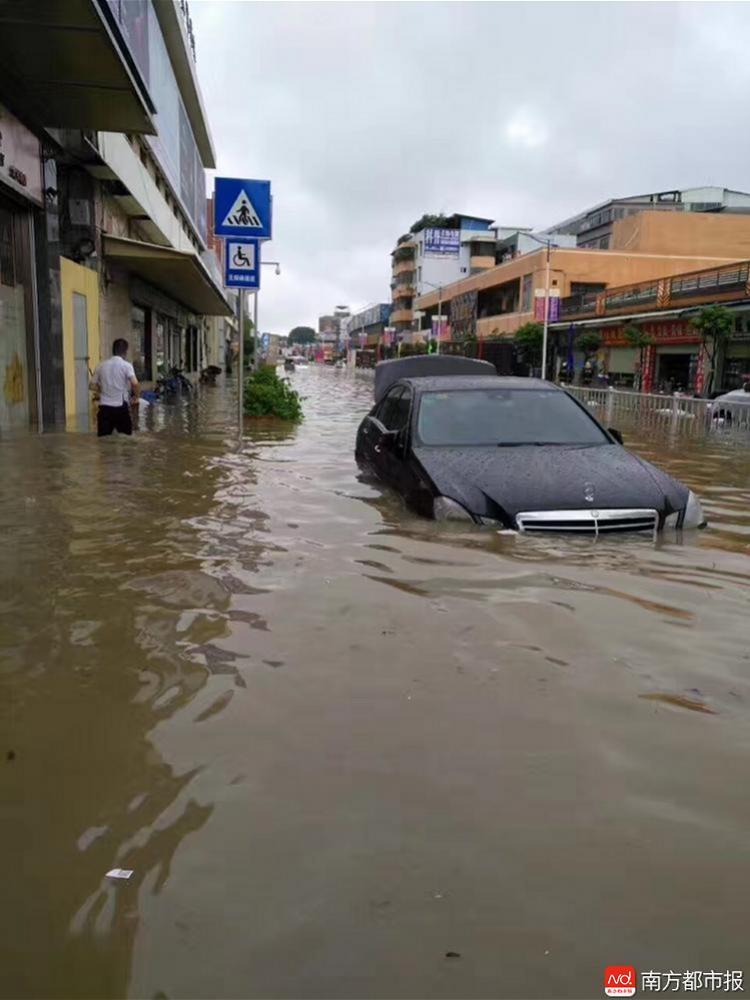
point(448, 383)
point(736, 394)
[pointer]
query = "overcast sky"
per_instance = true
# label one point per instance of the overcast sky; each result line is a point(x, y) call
point(366, 115)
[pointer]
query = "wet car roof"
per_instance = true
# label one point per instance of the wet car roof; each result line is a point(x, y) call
point(443, 383)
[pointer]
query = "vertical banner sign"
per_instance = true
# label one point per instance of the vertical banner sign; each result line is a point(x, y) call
point(553, 314)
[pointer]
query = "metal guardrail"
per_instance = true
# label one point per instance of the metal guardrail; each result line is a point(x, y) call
point(683, 413)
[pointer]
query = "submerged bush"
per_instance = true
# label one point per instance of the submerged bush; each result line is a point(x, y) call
point(267, 395)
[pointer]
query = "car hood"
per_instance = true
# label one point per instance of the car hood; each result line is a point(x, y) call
point(499, 482)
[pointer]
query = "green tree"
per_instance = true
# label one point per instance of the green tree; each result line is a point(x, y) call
point(409, 350)
point(715, 325)
point(402, 253)
point(639, 339)
point(529, 338)
point(301, 335)
point(588, 343)
point(433, 222)
point(248, 347)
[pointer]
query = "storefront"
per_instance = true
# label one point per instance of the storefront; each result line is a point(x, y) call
point(736, 368)
point(671, 362)
point(168, 292)
point(20, 194)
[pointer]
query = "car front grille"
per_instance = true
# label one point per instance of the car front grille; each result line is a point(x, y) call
point(589, 522)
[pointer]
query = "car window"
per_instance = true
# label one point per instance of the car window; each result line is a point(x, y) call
point(400, 414)
point(505, 417)
point(387, 408)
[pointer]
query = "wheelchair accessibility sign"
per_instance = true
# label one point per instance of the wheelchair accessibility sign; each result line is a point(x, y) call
point(242, 264)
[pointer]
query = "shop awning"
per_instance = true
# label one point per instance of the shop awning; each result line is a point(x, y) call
point(180, 275)
point(65, 64)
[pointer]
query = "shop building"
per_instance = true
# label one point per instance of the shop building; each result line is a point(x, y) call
point(366, 327)
point(675, 358)
point(120, 246)
point(438, 251)
point(496, 302)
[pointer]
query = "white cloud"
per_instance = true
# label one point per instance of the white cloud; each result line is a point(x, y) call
point(525, 130)
point(366, 115)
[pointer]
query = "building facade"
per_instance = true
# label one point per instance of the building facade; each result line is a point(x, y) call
point(675, 356)
point(366, 327)
point(496, 302)
point(437, 252)
point(596, 228)
point(331, 328)
point(116, 228)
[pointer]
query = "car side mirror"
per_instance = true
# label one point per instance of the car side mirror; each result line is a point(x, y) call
point(617, 435)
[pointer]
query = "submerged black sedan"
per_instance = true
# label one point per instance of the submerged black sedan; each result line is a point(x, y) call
point(516, 453)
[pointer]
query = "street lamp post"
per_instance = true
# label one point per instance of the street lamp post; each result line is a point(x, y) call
point(440, 309)
point(264, 263)
point(546, 315)
point(241, 353)
point(548, 244)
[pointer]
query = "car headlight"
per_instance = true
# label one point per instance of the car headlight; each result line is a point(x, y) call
point(691, 517)
point(445, 509)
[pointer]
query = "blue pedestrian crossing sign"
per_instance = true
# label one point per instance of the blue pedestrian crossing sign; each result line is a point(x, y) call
point(242, 264)
point(242, 208)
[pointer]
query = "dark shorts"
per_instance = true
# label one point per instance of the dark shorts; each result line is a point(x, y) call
point(113, 418)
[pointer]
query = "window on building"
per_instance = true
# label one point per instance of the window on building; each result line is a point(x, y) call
point(526, 292)
point(7, 268)
point(419, 274)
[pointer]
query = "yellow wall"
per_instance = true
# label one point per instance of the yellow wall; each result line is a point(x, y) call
point(74, 278)
point(608, 267)
point(711, 233)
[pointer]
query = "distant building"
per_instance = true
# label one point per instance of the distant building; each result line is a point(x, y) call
point(367, 326)
point(596, 228)
point(330, 328)
point(435, 255)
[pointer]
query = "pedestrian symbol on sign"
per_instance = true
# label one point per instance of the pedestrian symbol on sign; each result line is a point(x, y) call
point(242, 214)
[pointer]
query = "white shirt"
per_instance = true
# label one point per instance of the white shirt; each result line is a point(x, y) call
point(114, 377)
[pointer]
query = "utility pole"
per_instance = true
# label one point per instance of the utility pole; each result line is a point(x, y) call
point(546, 315)
point(241, 361)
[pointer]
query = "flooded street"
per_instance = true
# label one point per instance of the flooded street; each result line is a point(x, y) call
point(336, 743)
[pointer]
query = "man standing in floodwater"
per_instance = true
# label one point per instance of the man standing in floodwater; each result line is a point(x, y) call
point(115, 380)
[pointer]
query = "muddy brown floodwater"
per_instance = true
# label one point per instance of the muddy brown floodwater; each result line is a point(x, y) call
point(336, 743)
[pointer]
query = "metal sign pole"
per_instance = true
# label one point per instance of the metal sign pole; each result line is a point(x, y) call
point(256, 359)
point(241, 361)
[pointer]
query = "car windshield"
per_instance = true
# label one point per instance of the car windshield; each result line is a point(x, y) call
point(505, 417)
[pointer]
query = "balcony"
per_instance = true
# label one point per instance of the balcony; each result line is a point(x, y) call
point(403, 267)
point(730, 281)
point(629, 297)
point(401, 316)
point(403, 255)
point(580, 305)
point(403, 291)
point(718, 284)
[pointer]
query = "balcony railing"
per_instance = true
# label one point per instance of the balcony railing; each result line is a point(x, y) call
point(732, 281)
point(733, 278)
point(631, 297)
point(581, 304)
